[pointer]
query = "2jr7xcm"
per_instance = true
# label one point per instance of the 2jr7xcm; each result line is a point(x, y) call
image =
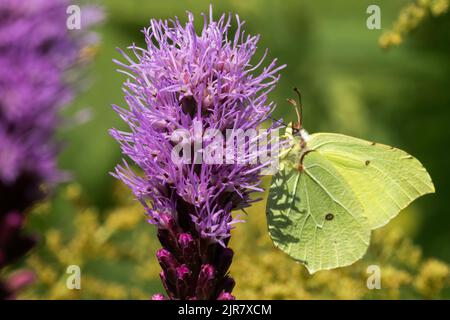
point(243, 309)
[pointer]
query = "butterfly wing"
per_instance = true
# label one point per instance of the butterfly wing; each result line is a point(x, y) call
point(315, 217)
point(384, 179)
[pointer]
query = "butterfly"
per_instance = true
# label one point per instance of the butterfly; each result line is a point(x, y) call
point(332, 190)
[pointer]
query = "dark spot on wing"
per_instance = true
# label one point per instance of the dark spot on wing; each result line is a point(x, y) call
point(329, 216)
point(373, 143)
point(367, 162)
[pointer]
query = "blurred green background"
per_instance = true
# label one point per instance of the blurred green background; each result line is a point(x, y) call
point(349, 85)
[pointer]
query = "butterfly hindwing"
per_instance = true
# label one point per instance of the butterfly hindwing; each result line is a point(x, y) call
point(384, 179)
point(315, 217)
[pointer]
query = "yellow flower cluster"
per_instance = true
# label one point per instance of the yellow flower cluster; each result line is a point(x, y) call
point(409, 19)
point(115, 251)
point(107, 242)
point(432, 278)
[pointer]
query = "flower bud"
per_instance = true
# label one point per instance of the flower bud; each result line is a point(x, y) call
point(158, 296)
point(20, 280)
point(226, 296)
point(9, 225)
point(205, 282)
point(168, 264)
point(188, 247)
point(183, 280)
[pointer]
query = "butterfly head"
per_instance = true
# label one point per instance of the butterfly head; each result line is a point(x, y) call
point(296, 136)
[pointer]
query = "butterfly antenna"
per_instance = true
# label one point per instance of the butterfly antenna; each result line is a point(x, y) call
point(299, 108)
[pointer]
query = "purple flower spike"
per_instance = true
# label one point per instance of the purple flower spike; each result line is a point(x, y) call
point(188, 80)
point(36, 51)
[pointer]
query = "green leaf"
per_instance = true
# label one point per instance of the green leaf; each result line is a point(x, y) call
point(328, 196)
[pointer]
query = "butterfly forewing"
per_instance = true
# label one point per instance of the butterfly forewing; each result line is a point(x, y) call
point(384, 179)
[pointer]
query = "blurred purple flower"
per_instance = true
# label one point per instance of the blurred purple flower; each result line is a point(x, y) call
point(36, 50)
point(179, 79)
